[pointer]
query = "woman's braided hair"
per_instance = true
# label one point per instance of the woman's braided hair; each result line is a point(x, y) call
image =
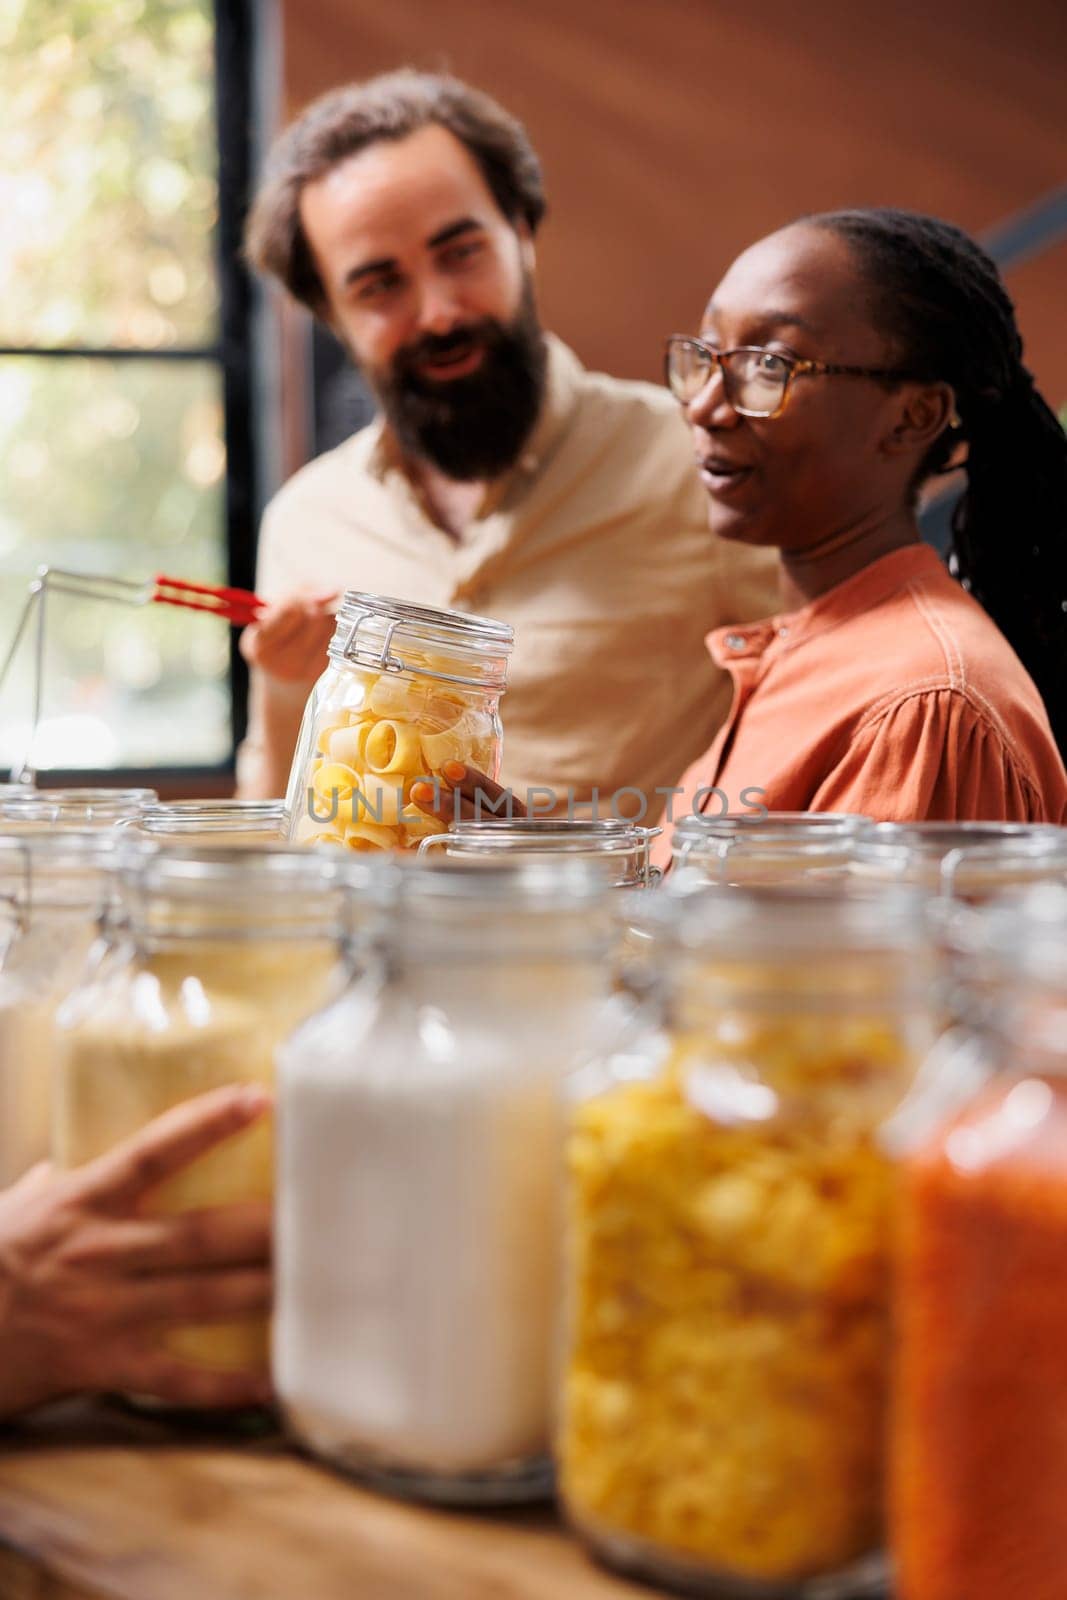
point(941, 299)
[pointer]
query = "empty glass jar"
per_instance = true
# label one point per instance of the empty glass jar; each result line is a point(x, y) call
point(407, 690)
point(728, 1219)
point(962, 860)
point(419, 1173)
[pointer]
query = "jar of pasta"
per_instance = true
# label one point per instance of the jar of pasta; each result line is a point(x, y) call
point(765, 847)
point(619, 849)
point(728, 1225)
point(53, 892)
point(420, 1123)
point(979, 1465)
point(213, 822)
point(72, 808)
point(407, 690)
point(223, 952)
point(962, 860)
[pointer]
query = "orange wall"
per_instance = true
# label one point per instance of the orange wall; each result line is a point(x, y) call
point(674, 132)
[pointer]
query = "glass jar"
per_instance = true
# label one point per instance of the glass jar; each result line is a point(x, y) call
point(619, 849)
point(213, 822)
point(728, 1222)
point(223, 952)
point(407, 689)
point(53, 893)
point(775, 847)
point(979, 1464)
point(73, 808)
point(961, 860)
point(419, 1174)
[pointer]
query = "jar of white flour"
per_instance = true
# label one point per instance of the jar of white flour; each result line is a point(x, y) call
point(419, 1166)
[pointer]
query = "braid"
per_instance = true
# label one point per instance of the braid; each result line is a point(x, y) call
point(941, 299)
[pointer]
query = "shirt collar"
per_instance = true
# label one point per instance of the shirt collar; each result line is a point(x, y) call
point(563, 376)
point(864, 590)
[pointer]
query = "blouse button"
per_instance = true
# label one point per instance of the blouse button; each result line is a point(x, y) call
point(736, 641)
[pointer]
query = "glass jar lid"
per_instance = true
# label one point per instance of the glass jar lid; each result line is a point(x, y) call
point(442, 909)
point(92, 808)
point(776, 845)
point(264, 891)
point(387, 635)
point(177, 819)
point(620, 849)
point(961, 858)
point(59, 868)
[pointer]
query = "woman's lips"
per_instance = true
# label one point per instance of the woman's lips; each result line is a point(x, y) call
point(722, 478)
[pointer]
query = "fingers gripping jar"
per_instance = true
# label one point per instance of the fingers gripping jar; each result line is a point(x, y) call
point(53, 892)
point(421, 1124)
point(728, 1220)
point(223, 953)
point(407, 689)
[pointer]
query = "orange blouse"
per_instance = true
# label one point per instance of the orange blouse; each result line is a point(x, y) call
point(894, 696)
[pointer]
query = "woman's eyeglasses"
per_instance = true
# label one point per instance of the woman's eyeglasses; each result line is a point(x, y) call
point(756, 382)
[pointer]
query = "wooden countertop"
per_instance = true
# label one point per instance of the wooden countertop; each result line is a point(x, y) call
point(99, 1505)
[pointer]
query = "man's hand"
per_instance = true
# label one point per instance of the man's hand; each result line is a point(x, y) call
point(289, 640)
point(461, 793)
point(87, 1282)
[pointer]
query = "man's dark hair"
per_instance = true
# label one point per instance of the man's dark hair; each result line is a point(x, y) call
point(345, 121)
point(940, 299)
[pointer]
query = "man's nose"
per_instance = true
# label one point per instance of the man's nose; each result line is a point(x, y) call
point(439, 307)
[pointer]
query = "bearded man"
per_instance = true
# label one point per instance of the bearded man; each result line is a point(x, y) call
point(499, 477)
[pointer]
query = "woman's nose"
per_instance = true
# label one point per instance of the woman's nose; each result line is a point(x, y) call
point(710, 407)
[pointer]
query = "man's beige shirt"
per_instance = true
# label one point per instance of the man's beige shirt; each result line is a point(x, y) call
point(595, 547)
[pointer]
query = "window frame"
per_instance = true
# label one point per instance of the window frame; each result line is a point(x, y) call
point(232, 354)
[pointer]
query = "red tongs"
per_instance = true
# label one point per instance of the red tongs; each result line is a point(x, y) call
point(239, 606)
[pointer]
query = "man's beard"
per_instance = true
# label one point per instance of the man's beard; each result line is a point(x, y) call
point(473, 427)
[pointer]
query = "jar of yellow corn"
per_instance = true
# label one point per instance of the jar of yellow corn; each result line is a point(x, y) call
point(220, 953)
point(407, 689)
point(724, 1383)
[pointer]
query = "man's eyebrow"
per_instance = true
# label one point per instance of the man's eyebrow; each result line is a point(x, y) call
point(364, 270)
point(771, 319)
point(389, 263)
point(453, 230)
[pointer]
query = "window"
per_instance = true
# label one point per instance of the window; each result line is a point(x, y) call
point(125, 395)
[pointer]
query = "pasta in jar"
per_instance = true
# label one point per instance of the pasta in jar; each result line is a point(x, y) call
point(725, 1387)
point(407, 690)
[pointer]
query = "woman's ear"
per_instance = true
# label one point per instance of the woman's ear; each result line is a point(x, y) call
point(923, 413)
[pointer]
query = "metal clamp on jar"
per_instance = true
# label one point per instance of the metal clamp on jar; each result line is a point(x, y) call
point(407, 689)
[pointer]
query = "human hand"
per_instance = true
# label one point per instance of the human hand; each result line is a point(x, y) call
point(88, 1282)
point(289, 639)
point(462, 793)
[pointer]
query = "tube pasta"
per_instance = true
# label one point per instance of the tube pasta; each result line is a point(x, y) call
point(371, 836)
point(394, 748)
point(347, 744)
point(371, 743)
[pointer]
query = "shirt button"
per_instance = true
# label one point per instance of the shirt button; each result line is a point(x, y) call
point(783, 633)
point(736, 641)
